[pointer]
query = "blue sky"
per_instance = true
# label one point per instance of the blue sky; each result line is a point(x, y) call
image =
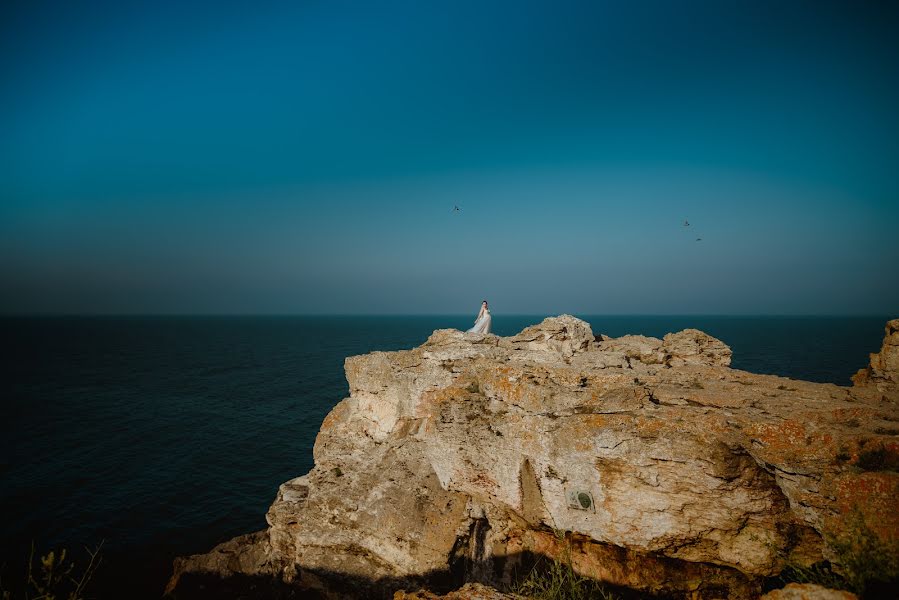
point(305, 157)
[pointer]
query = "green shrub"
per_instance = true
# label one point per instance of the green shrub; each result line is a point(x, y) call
point(867, 560)
point(865, 563)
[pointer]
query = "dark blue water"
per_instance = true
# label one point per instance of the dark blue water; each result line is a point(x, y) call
point(166, 435)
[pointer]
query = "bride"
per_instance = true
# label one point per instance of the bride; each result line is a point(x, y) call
point(482, 323)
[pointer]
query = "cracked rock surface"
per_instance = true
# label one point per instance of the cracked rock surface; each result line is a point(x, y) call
point(674, 474)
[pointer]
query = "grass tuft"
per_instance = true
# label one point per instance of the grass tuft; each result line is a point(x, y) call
point(868, 561)
point(556, 580)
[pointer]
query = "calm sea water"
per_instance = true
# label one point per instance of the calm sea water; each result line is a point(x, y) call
point(166, 435)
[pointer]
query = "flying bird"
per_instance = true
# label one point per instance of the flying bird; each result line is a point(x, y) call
point(456, 209)
point(686, 223)
point(698, 239)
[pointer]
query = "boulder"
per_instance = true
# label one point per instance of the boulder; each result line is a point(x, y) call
point(808, 591)
point(692, 346)
point(558, 338)
point(470, 591)
point(647, 350)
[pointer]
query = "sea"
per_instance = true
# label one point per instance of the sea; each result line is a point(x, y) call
point(154, 437)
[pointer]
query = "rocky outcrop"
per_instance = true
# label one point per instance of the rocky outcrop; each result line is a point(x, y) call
point(689, 346)
point(463, 459)
point(884, 367)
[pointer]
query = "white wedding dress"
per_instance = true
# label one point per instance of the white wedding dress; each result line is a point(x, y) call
point(482, 325)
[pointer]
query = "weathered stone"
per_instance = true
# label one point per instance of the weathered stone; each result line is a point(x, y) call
point(557, 337)
point(470, 591)
point(647, 350)
point(808, 591)
point(244, 555)
point(884, 366)
point(672, 473)
point(692, 346)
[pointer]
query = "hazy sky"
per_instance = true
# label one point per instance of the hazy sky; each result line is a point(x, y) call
point(305, 157)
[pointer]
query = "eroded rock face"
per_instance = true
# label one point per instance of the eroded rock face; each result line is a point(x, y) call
point(884, 367)
point(673, 473)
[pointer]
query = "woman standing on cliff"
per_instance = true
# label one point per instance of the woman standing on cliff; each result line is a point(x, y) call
point(482, 323)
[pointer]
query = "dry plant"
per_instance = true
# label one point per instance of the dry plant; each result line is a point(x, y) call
point(54, 577)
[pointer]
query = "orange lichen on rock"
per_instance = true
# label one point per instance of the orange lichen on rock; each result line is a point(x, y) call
point(338, 414)
point(787, 437)
point(874, 497)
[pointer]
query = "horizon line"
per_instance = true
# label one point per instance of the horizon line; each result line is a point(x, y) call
point(435, 314)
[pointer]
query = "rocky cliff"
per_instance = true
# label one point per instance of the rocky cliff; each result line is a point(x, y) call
point(674, 474)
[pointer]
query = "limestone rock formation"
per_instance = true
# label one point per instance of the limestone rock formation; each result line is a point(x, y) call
point(884, 367)
point(462, 459)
